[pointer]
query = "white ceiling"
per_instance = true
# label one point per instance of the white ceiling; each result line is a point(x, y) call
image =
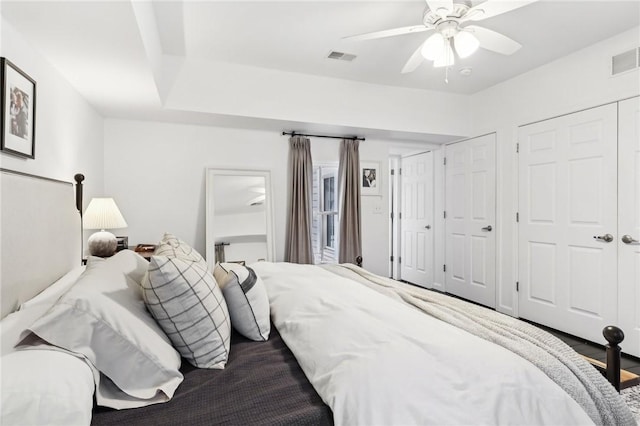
point(99, 48)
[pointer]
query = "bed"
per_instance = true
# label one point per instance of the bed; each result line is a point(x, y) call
point(293, 344)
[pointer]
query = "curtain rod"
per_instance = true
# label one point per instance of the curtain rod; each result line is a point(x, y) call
point(354, 138)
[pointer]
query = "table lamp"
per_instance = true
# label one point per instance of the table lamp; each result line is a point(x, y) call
point(102, 213)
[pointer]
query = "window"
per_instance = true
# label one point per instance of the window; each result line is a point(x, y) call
point(325, 214)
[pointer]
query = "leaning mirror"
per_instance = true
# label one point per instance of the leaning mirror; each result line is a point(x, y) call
point(239, 216)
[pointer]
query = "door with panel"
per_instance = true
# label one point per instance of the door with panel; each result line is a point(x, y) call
point(629, 223)
point(416, 221)
point(470, 188)
point(567, 262)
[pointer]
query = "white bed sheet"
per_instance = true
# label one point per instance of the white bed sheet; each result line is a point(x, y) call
point(373, 360)
point(42, 386)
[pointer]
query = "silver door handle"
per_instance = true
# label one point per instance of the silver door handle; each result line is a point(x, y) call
point(607, 238)
point(628, 239)
point(427, 227)
point(487, 228)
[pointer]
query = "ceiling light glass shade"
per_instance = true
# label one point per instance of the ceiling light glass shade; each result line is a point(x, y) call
point(433, 47)
point(446, 59)
point(102, 213)
point(465, 43)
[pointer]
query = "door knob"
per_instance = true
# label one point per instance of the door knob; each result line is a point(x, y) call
point(427, 227)
point(487, 228)
point(628, 239)
point(607, 238)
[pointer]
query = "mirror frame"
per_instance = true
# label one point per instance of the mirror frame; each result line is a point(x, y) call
point(212, 172)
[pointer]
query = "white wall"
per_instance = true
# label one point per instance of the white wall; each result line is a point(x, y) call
point(239, 224)
point(576, 82)
point(240, 90)
point(156, 172)
point(69, 132)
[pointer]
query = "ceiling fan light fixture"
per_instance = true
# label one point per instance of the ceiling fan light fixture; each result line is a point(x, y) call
point(442, 12)
point(465, 43)
point(446, 59)
point(433, 47)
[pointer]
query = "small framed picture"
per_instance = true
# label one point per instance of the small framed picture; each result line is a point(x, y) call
point(370, 178)
point(18, 122)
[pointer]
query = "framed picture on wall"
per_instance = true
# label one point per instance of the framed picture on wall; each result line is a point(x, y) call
point(18, 122)
point(370, 178)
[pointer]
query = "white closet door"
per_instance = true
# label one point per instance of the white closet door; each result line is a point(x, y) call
point(629, 223)
point(568, 212)
point(416, 222)
point(470, 190)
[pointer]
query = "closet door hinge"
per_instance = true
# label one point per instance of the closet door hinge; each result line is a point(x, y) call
point(517, 286)
point(400, 215)
point(391, 215)
point(444, 214)
point(444, 161)
point(444, 268)
point(518, 217)
point(400, 171)
point(393, 172)
point(399, 259)
point(517, 147)
point(391, 259)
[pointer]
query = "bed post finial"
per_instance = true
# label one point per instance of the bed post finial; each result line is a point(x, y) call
point(79, 177)
point(614, 336)
point(359, 261)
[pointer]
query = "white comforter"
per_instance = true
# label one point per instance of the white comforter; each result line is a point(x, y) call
point(375, 361)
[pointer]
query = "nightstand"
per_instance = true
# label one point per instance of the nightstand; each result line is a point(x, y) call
point(146, 254)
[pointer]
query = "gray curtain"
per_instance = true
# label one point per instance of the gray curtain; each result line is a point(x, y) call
point(298, 247)
point(220, 252)
point(350, 236)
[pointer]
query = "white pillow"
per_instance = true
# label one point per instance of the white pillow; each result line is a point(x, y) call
point(246, 298)
point(172, 246)
point(54, 291)
point(187, 303)
point(103, 318)
point(45, 387)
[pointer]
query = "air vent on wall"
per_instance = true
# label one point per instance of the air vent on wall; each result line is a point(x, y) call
point(626, 61)
point(341, 56)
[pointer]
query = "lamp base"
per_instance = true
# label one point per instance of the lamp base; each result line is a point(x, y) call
point(102, 244)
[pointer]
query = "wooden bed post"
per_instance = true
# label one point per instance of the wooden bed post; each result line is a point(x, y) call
point(79, 177)
point(614, 336)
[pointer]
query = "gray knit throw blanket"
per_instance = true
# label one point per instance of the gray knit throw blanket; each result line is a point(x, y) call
point(557, 360)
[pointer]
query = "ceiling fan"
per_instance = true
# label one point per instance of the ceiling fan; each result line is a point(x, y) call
point(448, 19)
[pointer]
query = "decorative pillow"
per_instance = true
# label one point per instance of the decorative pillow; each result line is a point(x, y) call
point(103, 318)
point(188, 304)
point(172, 246)
point(246, 298)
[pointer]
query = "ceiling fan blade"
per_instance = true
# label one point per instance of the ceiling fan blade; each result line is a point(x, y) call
point(441, 7)
point(414, 61)
point(387, 33)
point(494, 41)
point(492, 8)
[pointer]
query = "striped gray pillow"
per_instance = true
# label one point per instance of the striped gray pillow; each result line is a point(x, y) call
point(185, 300)
point(246, 298)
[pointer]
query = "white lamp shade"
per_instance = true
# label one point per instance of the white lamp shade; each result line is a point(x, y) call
point(433, 47)
point(465, 43)
point(102, 213)
point(446, 59)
